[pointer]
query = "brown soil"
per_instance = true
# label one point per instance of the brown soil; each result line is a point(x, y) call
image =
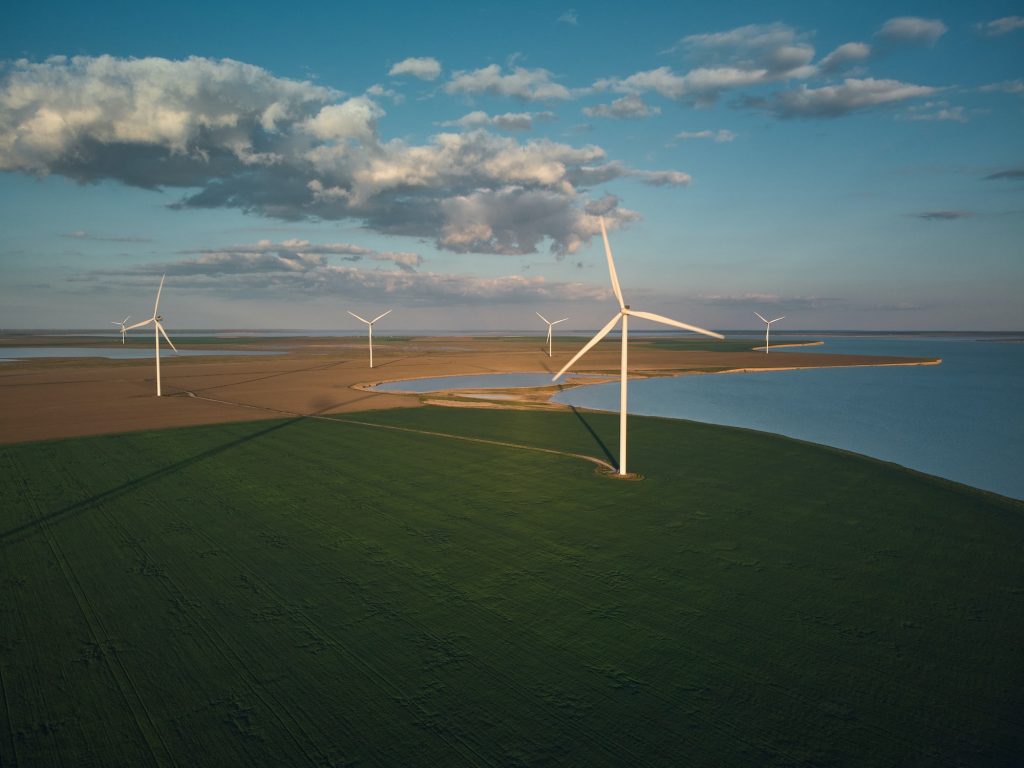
point(43, 399)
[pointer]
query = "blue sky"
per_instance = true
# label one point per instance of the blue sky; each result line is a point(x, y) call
point(849, 166)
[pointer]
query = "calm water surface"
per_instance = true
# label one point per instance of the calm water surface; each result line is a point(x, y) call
point(962, 420)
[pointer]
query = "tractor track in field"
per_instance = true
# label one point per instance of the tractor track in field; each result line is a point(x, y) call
point(600, 463)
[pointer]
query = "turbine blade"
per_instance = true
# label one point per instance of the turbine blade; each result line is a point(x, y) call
point(125, 319)
point(600, 335)
point(611, 265)
point(560, 321)
point(117, 323)
point(778, 318)
point(378, 317)
point(357, 317)
point(156, 306)
point(670, 321)
point(542, 317)
point(140, 325)
point(762, 318)
point(168, 338)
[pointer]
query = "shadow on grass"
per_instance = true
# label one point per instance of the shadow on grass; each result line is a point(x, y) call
point(85, 504)
point(597, 438)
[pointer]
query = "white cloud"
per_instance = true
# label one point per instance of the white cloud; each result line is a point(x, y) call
point(838, 100)
point(287, 256)
point(521, 83)
point(1007, 86)
point(570, 17)
point(236, 137)
point(912, 30)
point(936, 111)
point(425, 68)
point(720, 136)
point(998, 27)
point(844, 55)
point(510, 121)
point(630, 106)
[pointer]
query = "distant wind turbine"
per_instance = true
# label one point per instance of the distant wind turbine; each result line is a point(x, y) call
point(158, 329)
point(768, 328)
point(550, 325)
point(624, 314)
point(121, 323)
point(369, 325)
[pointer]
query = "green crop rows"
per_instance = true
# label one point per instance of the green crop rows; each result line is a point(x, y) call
point(317, 592)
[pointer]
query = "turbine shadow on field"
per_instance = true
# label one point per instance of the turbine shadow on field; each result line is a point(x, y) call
point(597, 438)
point(85, 504)
point(317, 367)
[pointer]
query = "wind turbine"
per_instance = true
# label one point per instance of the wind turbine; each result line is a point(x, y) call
point(550, 325)
point(157, 330)
point(624, 314)
point(121, 323)
point(768, 328)
point(369, 325)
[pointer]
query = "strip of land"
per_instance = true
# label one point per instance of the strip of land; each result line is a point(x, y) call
point(56, 398)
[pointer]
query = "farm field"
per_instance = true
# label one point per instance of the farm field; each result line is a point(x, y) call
point(326, 592)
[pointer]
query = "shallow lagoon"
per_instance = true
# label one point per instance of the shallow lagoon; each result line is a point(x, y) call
point(962, 420)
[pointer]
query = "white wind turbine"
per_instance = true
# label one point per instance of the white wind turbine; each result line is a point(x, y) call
point(624, 314)
point(121, 323)
point(157, 330)
point(369, 325)
point(550, 325)
point(768, 328)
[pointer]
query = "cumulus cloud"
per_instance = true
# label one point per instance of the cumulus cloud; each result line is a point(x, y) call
point(912, 30)
point(628, 107)
point(510, 121)
point(845, 55)
point(425, 68)
point(235, 136)
point(745, 56)
point(939, 111)
point(570, 17)
point(720, 136)
point(852, 95)
point(521, 83)
point(998, 27)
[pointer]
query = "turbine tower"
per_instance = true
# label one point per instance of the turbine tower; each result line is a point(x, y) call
point(121, 323)
point(768, 328)
point(158, 329)
point(369, 325)
point(624, 314)
point(550, 325)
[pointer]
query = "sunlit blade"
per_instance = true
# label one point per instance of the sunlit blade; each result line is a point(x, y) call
point(378, 317)
point(542, 317)
point(139, 325)
point(560, 321)
point(676, 323)
point(357, 317)
point(600, 335)
point(777, 319)
point(762, 318)
point(125, 319)
point(116, 323)
point(168, 338)
point(156, 307)
point(611, 265)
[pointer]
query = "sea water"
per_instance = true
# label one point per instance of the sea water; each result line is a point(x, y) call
point(962, 420)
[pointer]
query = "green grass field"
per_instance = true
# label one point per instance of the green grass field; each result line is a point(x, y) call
point(316, 592)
